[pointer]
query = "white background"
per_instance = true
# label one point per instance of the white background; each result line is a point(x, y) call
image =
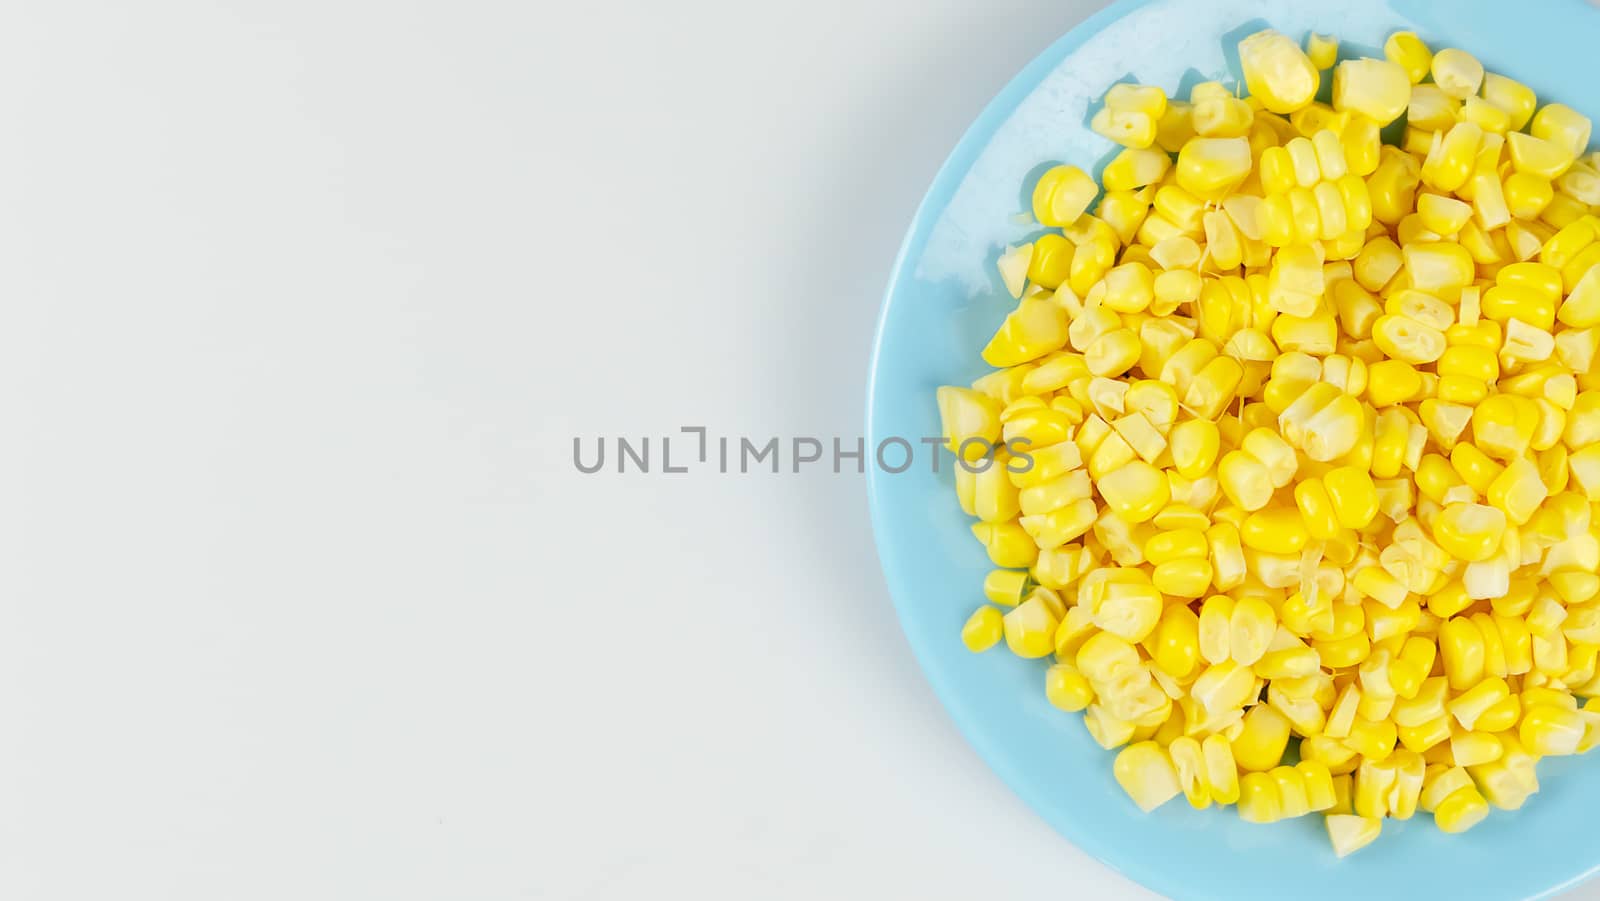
point(301, 595)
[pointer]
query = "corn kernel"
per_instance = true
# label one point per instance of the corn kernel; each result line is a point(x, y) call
point(1277, 71)
point(1377, 89)
point(1062, 194)
point(1146, 773)
point(1457, 72)
point(1067, 688)
point(1515, 98)
point(1030, 628)
point(1408, 51)
point(1349, 833)
point(1135, 168)
point(983, 630)
point(1538, 156)
point(1211, 168)
point(1549, 730)
point(1322, 49)
point(1563, 126)
point(1261, 744)
point(1005, 586)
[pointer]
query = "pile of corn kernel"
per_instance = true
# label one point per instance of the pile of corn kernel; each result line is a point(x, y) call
point(1294, 444)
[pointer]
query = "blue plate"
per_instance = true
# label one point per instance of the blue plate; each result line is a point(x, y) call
point(945, 300)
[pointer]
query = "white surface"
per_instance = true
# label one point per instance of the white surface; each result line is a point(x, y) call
point(301, 594)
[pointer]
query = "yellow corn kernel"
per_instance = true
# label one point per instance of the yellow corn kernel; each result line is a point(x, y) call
point(1186, 578)
point(1470, 531)
point(1305, 215)
point(1450, 160)
point(1353, 494)
point(1145, 772)
point(1113, 353)
point(1135, 492)
point(1514, 97)
point(1056, 568)
point(1392, 381)
point(1408, 51)
point(1485, 115)
point(983, 630)
point(1214, 628)
point(1349, 833)
point(1035, 328)
point(1440, 781)
point(1124, 212)
point(1406, 339)
point(1135, 168)
point(1214, 387)
point(1062, 194)
point(1443, 215)
point(1129, 610)
point(1051, 260)
point(1259, 799)
point(1030, 628)
point(1251, 626)
point(1224, 244)
point(1194, 445)
point(1217, 113)
point(1362, 145)
point(1322, 49)
point(1461, 811)
point(1457, 72)
point(1042, 531)
point(1293, 798)
point(1475, 467)
point(970, 422)
point(1537, 156)
point(1377, 263)
point(1129, 288)
point(1303, 161)
point(1504, 425)
point(1392, 186)
point(1372, 739)
point(1439, 268)
point(1130, 128)
point(1377, 89)
point(1227, 556)
point(1275, 530)
point(1222, 773)
point(1549, 730)
point(1392, 439)
point(1211, 168)
point(1147, 99)
point(1581, 309)
point(1013, 264)
point(1176, 649)
point(1067, 688)
point(1461, 649)
point(1260, 745)
point(1277, 71)
point(1006, 587)
point(1223, 687)
point(1422, 307)
point(1470, 705)
point(1561, 125)
point(1380, 585)
point(1316, 509)
point(1175, 545)
point(1106, 729)
point(1245, 480)
point(1430, 110)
